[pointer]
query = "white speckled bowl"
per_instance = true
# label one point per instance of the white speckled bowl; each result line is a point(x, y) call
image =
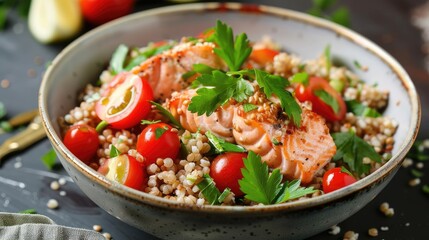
point(83, 60)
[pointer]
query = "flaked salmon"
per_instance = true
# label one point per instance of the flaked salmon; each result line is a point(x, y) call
point(298, 152)
point(164, 71)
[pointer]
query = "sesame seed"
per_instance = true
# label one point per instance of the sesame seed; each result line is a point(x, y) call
point(407, 162)
point(52, 204)
point(384, 207)
point(62, 181)
point(407, 224)
point(335, 230)
point(384, 228)
point(17, 165)
point(419, 165)
point(63, 193)
point(389, 212)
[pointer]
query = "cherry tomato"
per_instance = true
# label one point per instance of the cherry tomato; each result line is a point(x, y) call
point(226, 171)
point(126, 170)
point(101, 11)
point(82, 141)
point(158, 141)
point(335, 179)
point(263, 56)
point(307, 93)
point(125, 102)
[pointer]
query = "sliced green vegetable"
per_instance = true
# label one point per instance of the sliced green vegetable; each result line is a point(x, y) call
point(118, 59)
point(210, 192)
point(160, 131)
point(29, 211)
point(101, 126)
point(220, 145)
point(416, 173)
point(114, 152)
point(148, 122)
point(247, 107)
point(301, 77)
point(167, 114)
point(359, 109)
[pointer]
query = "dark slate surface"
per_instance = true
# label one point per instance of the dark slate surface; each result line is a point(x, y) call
point(22, 62)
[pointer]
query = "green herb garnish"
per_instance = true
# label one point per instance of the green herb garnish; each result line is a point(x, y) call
point(210, 192)
point(323, 8)
point(328, 61)
point(260, 186)
point(2, 110)
point(160, 131)
point(148, 122)
point(328, 99)
point(118, 59)
point(416, 173)
point(167, 114)
point(49, 159)
point(301, 77)
point(272, 84)
point(233, 51)
point(352, 149)
point(359, 109)
point(114, 152)
point(220, 145)
point(148, 52)
point(345, 170)
point(341, 16)
point(276, 142)
point(29, 211)
point(425, 188)
point(247, 107)
point(218, 89)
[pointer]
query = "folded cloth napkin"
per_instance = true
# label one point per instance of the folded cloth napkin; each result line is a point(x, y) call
point(15, 226)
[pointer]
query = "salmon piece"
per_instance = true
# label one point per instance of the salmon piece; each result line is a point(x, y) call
point(164, 71)
point(219, 122)
point(299, 153)
point(307, 149)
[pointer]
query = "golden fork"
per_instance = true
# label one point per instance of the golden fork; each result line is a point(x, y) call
point(33, 133)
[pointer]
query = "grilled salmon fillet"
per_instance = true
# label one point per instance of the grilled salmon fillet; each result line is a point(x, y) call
point(164, 71)
point(299, 152)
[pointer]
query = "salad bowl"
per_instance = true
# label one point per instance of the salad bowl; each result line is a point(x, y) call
point(83, 60)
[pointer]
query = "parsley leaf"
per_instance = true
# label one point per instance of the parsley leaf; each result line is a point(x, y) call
point(277, 85)
point(247, 107)
point(234, 53)
point(49, 159)
point(114, 152)
point(118, 59)
point(218, 89)
point(210, 192)
point(341, 16)
point(352, 149)
point(361, 110)
point(260, 186)
point(221, 145)
point(301, 77)
point(328, 99)
point(167, 114)
point(159, 131)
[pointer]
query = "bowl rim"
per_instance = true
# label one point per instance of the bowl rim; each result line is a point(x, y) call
point(142, 197)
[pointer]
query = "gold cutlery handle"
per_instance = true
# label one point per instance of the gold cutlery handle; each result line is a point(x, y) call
point(33, 133)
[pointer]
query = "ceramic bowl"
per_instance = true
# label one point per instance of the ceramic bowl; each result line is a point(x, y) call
point(84, 59)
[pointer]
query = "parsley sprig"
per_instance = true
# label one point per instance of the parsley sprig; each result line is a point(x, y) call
point(352, 149)
point(210, 192)
point(233, 51)
point(260, 186)
point(220, 145)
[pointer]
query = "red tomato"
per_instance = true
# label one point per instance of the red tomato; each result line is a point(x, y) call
point(82, 141)
point(158, 141)
point(125, 102)
point(306, 93)
point(125, 169)
point(335, 179)
point(101, 11)
point(263, 56)
point(226, 171)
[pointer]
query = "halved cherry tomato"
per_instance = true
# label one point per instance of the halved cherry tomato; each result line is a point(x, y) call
point(263, 56)
point(82, 141)
point(158, 141)
point(226, 171)
point(335, 179)
point(125, 102)
point(307, 93)
point(101, 11)
point(126, 170)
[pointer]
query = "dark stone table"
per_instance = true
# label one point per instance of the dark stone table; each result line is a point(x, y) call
point(22, 63)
